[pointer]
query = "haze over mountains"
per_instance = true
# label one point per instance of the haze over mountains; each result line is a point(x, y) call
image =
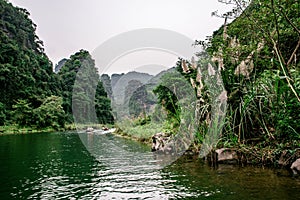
point(116, 84)
point(123, 89)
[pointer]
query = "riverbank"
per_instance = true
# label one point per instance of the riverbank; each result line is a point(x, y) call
point(137, 132)
point(278, 155)
point(273, 155)
point(14, 129)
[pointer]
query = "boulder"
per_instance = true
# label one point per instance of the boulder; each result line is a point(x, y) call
point(296, 167)
point(166, 144)
point(159, 141)
point(227, 155)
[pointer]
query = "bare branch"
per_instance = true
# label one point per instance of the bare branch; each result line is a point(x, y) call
point(294, 53)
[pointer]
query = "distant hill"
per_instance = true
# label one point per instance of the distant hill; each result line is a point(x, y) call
point(156, 79)
point(120, 84)
point(132, 91)
point(115, 78)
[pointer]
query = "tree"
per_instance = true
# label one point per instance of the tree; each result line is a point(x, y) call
point(103, 105)
point(172, 89)
point(23, 113)
point(2, 114)
point(50, 113)
point(25, 70)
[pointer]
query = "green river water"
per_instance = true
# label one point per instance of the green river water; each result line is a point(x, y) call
point(85, 166)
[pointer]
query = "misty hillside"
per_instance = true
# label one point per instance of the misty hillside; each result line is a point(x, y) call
point(120, 85)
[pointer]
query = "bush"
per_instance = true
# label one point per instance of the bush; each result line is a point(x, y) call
point(49, 114)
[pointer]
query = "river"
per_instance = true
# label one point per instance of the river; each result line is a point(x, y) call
point(85, 166)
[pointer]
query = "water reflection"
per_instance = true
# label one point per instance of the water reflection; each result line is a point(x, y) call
point(58, 166)
point(131, 171)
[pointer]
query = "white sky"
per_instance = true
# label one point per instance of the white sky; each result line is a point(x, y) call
point(66, 26)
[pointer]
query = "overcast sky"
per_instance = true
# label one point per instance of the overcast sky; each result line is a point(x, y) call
point(65, 26)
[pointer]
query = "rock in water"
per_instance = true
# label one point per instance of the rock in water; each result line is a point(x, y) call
point(158, 142)
point(296, 166)
point(227, 155)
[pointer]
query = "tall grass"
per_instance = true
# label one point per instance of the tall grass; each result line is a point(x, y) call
point(266, 111)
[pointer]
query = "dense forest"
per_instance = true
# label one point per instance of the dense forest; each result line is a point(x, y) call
point(250, 68)
point(31, 94)
point(257, 57)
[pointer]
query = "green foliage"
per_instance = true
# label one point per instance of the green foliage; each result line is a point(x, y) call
point(140, 132)
point(67, 76)
point(26, 74)
point(167, 93)
point(278, 106)
point(140, 102)
point(2, 114)
point(23, 113)
point(25, 71)
point(50, 113)
point(265, 103)
point(176, 105)
point(140, 121)
point(103, 106)
point(167, 99)
point(83, 90)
